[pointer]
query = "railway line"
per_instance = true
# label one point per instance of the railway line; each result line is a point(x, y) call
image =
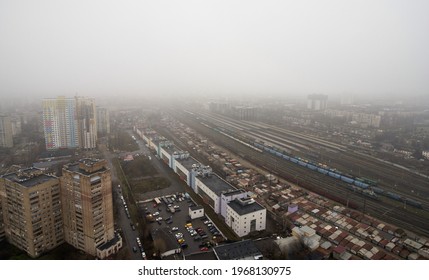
point(389, 177)
point(318, 183)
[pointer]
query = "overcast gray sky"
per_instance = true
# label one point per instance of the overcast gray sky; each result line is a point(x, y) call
point(104, 47)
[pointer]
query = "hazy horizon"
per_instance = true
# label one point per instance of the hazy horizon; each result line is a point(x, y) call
point(214, 48)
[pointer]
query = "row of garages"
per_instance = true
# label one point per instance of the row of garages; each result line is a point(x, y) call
point(240, 212)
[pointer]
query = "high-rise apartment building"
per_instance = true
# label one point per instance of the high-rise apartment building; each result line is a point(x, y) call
point(103, 121)
point(59, 123)
point(31, 207)
point(86, 191)
point(69, 123)
point(317, 102)
point(2, 236)
point(6, 133)
point(87, 123)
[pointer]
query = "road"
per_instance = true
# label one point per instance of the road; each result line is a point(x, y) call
point(122, 221)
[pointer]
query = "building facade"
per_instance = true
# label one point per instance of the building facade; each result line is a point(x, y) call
point(32, 214)
point(317, 102)
point(245, 215)
point(103, 121)
point(6, 132)
point(69, 123)
point(86, 191)
point(86, 122)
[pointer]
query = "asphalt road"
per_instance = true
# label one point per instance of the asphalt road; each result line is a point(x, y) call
point(122, 221)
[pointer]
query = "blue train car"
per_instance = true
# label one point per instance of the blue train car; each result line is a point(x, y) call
point(257, 145)
point(286, 157)
point(347, 179)
point(413, 203)
point(377, 190)
point(302, 163)
point(360, 184)
point(311, 166)
point(394, 196)
point(294, 160)
point(278, 154)
point(334, 175)
point(322, 170)
point(272, 151)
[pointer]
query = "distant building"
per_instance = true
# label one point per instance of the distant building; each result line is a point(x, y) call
point(246, 113)
point(218, 107)
point(32, 214)
point(87, 123)
point(366, 120)
point(16, 126)
point(103, 121)
point(86, 191)
point(59, 123)
point(245, 215)
point(2, 225)
point(69, 123)
point(6, 133)
point(317, 102)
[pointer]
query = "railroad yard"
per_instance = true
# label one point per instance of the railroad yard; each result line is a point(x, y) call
point(379, 189)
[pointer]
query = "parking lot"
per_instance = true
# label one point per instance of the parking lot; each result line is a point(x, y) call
point(172, 213)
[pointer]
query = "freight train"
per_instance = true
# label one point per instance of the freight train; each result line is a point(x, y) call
point(366, 186)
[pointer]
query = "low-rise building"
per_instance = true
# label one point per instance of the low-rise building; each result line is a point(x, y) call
point(241, 250)
point(245, 215)
point(196, 212)
point(210, 187)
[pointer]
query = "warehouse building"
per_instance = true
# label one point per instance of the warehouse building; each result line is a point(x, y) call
point(245, 215)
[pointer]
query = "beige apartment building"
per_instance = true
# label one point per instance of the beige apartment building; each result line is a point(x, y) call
point(86, 191)
point(31, 208)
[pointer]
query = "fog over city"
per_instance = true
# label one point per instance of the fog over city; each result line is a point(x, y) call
point(214, 48)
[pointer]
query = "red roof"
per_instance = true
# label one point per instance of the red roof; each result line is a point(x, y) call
point(378, 256)
point(339, 249)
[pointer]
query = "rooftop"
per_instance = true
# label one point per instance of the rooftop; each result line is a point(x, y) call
point(171, 149)
point(109, 243)
point(216, 184)
point(245, 207)
point(234, 192)
point(197, 207)
point(209, 256)
point(188, 162)
point(87, 166)
point(245, 249)
point(168, 241)
point(29, 177)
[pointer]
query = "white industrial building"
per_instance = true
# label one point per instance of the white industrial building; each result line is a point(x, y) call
point(245, 215)
point(230, 196)
point(210, 187)
point(241, 213)
point(184, 168)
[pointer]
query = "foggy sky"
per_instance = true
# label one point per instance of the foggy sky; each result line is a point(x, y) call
point(222, 47)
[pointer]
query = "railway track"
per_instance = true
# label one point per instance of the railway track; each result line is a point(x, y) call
point(389, 177)
point(319, 183)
